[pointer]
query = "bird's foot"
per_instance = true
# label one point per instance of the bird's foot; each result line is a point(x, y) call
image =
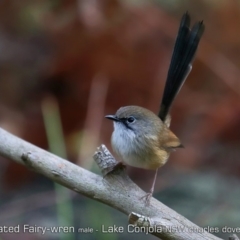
point(147, 198)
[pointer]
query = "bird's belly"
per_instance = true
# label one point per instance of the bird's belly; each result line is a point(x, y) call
point(137, 154)
point(145, 161)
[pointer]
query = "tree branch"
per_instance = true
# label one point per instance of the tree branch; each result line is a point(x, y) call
point(116, 189)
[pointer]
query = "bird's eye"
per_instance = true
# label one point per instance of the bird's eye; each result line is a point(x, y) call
point(131, 119)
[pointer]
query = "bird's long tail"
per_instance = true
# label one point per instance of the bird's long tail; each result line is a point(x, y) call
point(181, 63)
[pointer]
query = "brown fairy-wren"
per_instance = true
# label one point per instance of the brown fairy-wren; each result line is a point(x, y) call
point(143, 139)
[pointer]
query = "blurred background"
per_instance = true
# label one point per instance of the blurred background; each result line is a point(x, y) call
point(64, 65)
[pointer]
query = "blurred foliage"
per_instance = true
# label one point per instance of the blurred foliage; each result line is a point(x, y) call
point(56, 143)
point(95, 56)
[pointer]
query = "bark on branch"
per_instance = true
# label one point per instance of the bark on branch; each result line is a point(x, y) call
point(115, 189)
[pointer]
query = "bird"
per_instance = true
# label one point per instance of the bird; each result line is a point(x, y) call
point(142, 138)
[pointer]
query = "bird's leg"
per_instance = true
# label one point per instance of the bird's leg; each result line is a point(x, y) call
point(149, 195)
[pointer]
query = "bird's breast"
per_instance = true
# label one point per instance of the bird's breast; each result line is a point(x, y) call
point(137, 151)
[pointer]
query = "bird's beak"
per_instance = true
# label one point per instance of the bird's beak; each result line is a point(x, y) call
point(112, 117)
